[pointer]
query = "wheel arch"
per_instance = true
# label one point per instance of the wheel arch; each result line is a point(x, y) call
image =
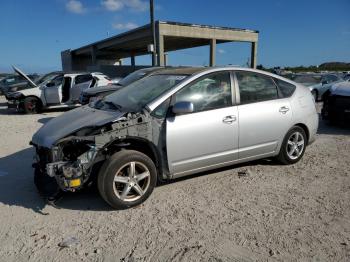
point(141, 145)
point(31, 96)
point(306, 130)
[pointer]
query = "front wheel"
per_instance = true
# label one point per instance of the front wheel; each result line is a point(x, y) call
point(31, 105)
point(293, 146)
point(127, 179)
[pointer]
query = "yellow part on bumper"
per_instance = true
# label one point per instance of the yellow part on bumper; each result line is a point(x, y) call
point(74, 183)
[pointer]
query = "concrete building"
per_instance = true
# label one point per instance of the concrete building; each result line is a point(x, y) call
point(170, 36)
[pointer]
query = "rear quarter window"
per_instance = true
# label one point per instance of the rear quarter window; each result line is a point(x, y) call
point(286, 89)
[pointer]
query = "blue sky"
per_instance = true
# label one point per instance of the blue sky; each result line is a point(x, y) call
point(34, 32)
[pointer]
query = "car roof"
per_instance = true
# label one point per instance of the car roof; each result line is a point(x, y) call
point(83, 73)
point(179, 71)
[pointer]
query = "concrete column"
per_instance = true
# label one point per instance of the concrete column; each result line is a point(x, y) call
point(212, 52)
point(93, 55)
point(132, 58)
point(160, 50)
point(254, 55)
point(165, 59)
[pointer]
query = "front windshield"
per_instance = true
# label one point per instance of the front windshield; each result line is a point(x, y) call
point(44, 78)
point(135, 96)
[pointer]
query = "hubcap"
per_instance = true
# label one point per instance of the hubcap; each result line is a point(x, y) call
point(131, 181)
point(295, 145)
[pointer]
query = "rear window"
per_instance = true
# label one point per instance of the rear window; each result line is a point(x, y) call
point(286, 88)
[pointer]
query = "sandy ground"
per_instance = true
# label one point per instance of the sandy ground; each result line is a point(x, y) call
point(282, 213)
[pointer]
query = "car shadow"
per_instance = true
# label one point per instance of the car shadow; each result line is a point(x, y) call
point(16, 181)
point(17, 187)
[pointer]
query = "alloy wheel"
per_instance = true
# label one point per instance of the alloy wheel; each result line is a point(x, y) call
point(295, 145)
point(131, 181)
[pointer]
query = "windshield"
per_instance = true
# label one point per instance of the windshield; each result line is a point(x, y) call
point(44, 78)
point(135, 96)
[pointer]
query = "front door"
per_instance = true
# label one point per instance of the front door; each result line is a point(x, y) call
point(264, 118)
point(52, 91)
point(208, 137)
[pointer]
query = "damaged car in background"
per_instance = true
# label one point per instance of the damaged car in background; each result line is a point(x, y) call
point(173, 123)
point(93, 94)
point(57, 91)
point(336, 103)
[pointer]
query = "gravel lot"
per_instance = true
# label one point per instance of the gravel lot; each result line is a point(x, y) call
point(274, 212)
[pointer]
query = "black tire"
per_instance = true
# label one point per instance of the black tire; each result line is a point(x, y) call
point(315, 95)
point(283, 156)
point(31, 105)
point(117, 164)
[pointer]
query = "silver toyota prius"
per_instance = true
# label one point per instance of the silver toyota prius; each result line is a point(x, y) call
point(172, 123)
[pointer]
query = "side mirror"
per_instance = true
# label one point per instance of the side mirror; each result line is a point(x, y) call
point(325, 82)
point(50, 84)
point(183, 107)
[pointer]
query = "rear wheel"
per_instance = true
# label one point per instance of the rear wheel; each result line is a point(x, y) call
point(31, 105)
point(293, 146)
point(127, 179)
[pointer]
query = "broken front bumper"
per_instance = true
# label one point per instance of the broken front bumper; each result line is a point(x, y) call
point(69, 175)
point(13, 104)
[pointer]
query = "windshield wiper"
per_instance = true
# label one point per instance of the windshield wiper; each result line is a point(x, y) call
point(110, 103)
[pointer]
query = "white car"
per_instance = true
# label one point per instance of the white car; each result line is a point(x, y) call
point(61, 90)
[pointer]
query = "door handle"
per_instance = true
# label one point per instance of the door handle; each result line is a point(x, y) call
point(229, 119)
point(284, 109)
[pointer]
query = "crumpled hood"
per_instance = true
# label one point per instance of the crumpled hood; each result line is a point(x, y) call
point(71, 122)
point(341, 89)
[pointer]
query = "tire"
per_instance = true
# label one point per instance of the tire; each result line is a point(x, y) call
point(315, 95)
point(295, 138)
point(31, 105)
point(121, 187)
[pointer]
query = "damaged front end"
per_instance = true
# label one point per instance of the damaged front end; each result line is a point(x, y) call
point(70, 161)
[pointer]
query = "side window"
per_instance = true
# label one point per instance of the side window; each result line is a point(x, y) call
point(83, 78)
point(162, 109)
point(212, 91)
point(254, 87)
point(57, 80)
point(286, 89)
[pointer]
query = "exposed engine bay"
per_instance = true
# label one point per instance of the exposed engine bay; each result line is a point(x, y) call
point(71, 160)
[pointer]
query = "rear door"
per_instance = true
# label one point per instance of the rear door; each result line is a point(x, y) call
point(208, 137)
point(264, 117)
point(81, 83)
